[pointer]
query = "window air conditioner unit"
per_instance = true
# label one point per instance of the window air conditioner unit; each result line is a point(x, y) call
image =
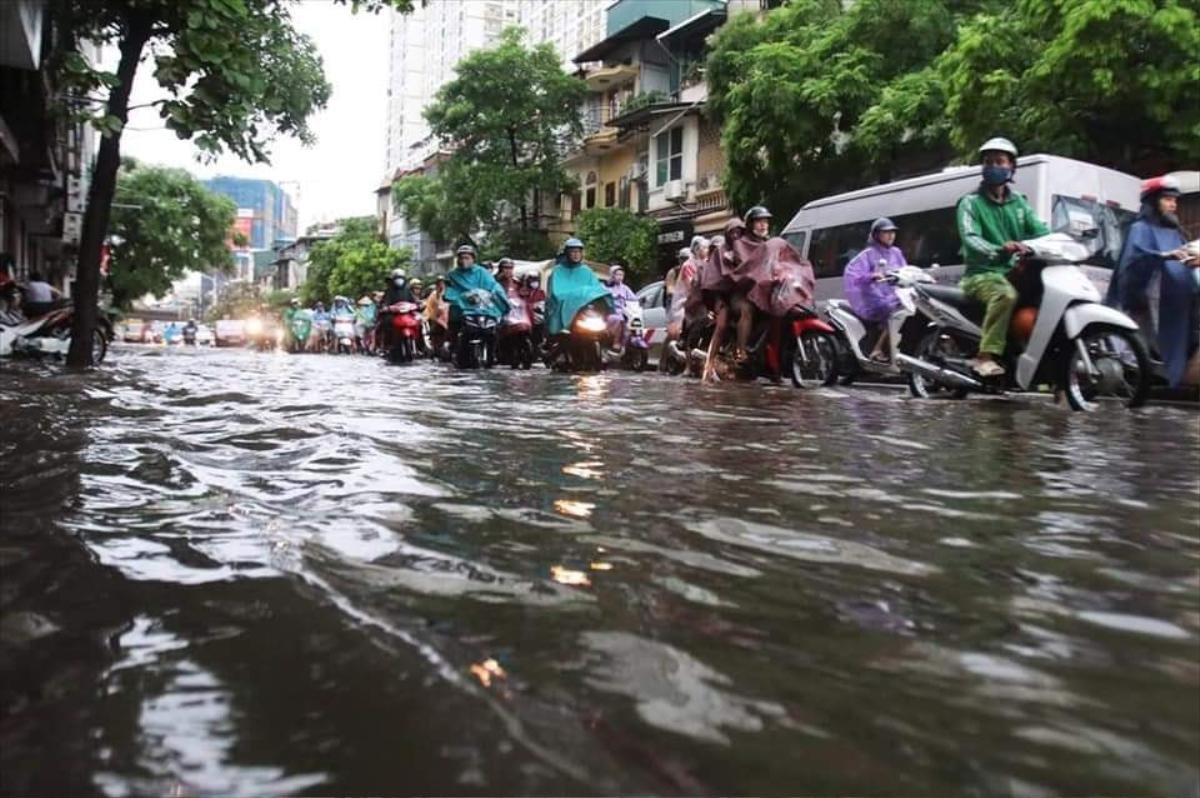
point(675, 191)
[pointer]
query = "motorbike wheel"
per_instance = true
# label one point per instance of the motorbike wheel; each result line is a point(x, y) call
point(638, 359)
point(814, 362)
point(99, 347)
point(934, 348)
point(1122, 364)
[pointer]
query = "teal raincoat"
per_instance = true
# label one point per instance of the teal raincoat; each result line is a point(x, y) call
point(571, 288)
point(476, 280)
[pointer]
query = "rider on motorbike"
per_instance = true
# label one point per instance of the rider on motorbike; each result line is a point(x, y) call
point(471, 289)
point(1154, 246)
point(992, 222)
point(871, 297)
point(572, 286)
point(365, 316)
point(621, 295)
point(398, 289)
point(504, 274)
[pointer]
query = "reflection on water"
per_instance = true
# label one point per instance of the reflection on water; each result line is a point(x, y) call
point(317, 575)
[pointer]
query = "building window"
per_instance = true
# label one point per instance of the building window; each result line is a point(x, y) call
point(610, 194)
point(668, 156)
point(623, 194)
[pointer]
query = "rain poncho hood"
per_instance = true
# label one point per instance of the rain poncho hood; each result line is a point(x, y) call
point(476, 280)
point(1141, 261)
point(571, 288)
point(870, 300)
point(774, 276)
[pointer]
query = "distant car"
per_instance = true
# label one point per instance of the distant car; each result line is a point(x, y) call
point(136, 331)
point(654, 313)
point(230, 332)
point(204, 335)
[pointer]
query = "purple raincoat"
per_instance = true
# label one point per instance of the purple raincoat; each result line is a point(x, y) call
point(872, 301)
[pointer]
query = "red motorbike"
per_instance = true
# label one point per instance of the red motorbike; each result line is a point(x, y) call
point(405, 318)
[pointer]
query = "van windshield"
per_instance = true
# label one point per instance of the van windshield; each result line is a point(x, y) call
point(1075, 214)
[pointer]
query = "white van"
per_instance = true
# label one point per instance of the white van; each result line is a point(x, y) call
point(1063, 192)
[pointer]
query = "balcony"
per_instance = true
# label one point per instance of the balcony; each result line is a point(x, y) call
point(611, 77)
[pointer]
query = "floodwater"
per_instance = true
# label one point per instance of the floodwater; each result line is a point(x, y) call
point(227, 573)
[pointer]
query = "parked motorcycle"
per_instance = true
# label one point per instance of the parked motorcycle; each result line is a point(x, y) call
point(48, 335)
point(514, 347)
point(405, 321)
point(856, 338)
point(1061, 334)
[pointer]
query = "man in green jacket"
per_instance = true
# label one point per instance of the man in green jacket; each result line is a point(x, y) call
point(992, 221)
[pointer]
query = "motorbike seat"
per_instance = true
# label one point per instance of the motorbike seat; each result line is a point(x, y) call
point(972, 309)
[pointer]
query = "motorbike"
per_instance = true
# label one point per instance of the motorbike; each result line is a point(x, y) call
point(476, 345)
point(856, 338)
point(632, 351)
point(301, 330)
point(1061, 334)
point(261, 334)
point(48, 335)
point(405, 321)
point(1147, 319)
point(343, 334)
point(539, 325)
point(189, 336)
point(581, 348)
point(514, 346)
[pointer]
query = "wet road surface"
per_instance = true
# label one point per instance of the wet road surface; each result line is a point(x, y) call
point(230, 573)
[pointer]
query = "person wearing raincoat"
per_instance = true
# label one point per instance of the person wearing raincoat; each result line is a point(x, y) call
point(471, 289)
point(871, 298)
point(572, 287)
point(1155, 246)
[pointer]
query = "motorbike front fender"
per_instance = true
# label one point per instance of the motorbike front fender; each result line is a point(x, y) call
point(811, 324)
point(1078, 317)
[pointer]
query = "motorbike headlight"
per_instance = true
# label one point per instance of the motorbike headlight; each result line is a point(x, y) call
point(254, 326)
point(591, 323)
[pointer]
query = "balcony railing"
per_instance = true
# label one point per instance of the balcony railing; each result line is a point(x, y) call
point(598, 117)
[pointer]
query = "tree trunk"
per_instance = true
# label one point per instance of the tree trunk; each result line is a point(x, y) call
point(512, 147)
point(100, 197)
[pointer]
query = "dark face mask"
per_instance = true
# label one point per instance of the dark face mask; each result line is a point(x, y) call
point(996, 175)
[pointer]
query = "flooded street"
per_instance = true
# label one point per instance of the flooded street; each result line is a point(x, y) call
point(228, 574)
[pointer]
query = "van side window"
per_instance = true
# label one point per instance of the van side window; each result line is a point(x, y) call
point(652, 296)
point(797, 240)
point(929, 237)
point(833, 247)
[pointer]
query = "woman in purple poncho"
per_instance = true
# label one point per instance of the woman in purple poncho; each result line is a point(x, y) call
point(870, 297)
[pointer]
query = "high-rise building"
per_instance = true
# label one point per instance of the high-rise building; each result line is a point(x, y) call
point(266, 216)
point(425, 46)
point(428, 42)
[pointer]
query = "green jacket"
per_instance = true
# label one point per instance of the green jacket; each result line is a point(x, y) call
point(984, 225)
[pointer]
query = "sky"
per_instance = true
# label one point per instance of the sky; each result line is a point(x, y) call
point(338, 175)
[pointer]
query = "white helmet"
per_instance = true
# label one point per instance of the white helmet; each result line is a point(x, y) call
point(999, 144)
point(684, 253)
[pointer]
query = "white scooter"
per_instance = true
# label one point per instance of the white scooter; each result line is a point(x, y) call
point(856, 338)
point(1076, 344)
point(631, 349)
point(47, 335)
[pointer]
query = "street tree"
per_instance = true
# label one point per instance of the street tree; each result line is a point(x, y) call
point(165, 223)
point(507, 118)
point(354, 262)
point(236, 75)
point(1116, 83)
point(614, 235)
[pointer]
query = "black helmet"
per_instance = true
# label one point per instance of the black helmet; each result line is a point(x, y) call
point(882, 225)
point(500, 264)
point(757, 212)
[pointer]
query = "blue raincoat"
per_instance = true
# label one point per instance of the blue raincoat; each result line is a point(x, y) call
point(462, 283)
point(1141, 259)
point(571, 288)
